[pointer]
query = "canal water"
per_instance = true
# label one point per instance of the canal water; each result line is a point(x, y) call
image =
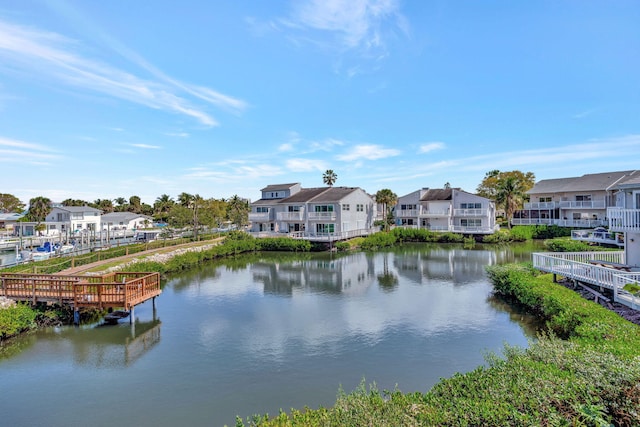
point(264, 332)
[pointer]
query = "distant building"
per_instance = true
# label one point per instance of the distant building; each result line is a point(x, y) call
point(322, 214)
point(125, 221)
point(446, 209)
point(65, 220)
point(572, 202)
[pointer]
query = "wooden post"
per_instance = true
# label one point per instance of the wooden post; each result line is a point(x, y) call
point(132, 313)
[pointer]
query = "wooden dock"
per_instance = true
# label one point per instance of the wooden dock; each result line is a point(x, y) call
point(113, 290)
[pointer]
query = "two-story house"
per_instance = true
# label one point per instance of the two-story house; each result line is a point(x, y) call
point(125, 221)
point(624, 217)
point(65, 220)
point(323, 213)
point(446, 209)
point(572, 202)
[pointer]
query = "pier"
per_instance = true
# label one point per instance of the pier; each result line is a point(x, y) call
point(107, 291)
point(608, 272)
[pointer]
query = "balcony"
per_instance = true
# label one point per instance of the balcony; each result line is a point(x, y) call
point(407, 213)
point(290, 216)
point(259, 216)
point(541, 205)
point(322, 216)
point(624, 220)
point(470, 212)
point(435, 213)
point(587, 204)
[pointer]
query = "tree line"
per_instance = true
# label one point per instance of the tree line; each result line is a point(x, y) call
point(508, 190)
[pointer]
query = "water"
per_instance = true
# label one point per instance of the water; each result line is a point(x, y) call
point(263, 332)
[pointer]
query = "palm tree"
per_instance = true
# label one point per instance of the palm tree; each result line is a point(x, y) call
point(510, 192)
point(135, 204)
point(387, 198)
point(105, 205)
point(329, 177)
point(185, 199)
point(39, 208)
point(238, 211)
point(162, 206)
point(121, 202)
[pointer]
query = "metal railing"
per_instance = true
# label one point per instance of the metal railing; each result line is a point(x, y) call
point(624, 219)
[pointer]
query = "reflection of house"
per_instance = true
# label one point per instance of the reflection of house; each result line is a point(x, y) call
point(624, 217)
point(447, 209)
point(65, 219)
point(572, 202)
point(352, 273)
point(125, 221)
point(325, 213)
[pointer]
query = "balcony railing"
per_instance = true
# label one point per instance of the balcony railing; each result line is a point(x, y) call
point(259, 216)
point(624, 220)
point(321, 216)
point(290, 216)
point(442, 212)
point(585, 223)
point(407, 213)
point(541, 205)
point(590, 204)
point(470, 212)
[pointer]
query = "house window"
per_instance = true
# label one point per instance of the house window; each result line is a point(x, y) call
point(294, 208)
point(583, 198)
point(470, 205)
point(323, 208)
point(359, 208)
point(325, 228)
point(545, 199)
point(262, 209)
point(471, 222)
point(408, 207)
point(345, 207)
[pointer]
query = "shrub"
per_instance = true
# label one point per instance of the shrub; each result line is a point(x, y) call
point(16, 319)
point(569, 245)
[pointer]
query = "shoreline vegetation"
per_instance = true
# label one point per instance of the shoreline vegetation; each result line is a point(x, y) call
point(584, 369)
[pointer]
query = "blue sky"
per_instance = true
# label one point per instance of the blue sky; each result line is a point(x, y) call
point(106, 99)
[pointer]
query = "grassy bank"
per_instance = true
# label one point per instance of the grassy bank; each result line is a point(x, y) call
point(585, 371)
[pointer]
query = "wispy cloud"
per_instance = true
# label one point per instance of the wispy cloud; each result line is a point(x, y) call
point(368, 152)
point(146, 146)
point(430, 146)
point(325, 145)
point(30, 51)
point(583, 114)
point(15, 151)
point(178, 134)
point(356, 24)
point(305, 165)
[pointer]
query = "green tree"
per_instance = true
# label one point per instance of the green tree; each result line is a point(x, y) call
point(121, 204)
point(162, 206)
point(75, 202)
point(105, 205)
point(387, 199)
point(185, 199)
point(507, 189)
point(39, 208)
point(238, 211)
point(10, 204)
point(135, 204)
point(329, 177)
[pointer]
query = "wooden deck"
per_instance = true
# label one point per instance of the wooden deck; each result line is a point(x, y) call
point(114, 290)
point(578, 266)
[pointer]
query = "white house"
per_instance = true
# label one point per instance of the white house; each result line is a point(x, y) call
point(125, 221)
point(572, 202)
point(324, 213)
point(65, 220)
point(624, 217)
point(446, 209)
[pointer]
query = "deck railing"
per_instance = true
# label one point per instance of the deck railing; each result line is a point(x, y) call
point(117, 290)
point(624, 219)
point(576, 266)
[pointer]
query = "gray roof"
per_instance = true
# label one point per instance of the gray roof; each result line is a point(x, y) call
point(78, 209)
point(124, 216)
point(11, 216)
point(304, 195)
point(631, 181)
point(588, 182)
point(434, 194)
point(333, 194)
point(279, 187)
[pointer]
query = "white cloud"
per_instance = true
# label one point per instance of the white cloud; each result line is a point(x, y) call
point(30, 51)
point(15, 151)
point(178, 134)
point(430, 146)
point(306, 165)
point(146, 146)
point(287, 146)
point(325, 145)
point(356, 23)
point(368, 152)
